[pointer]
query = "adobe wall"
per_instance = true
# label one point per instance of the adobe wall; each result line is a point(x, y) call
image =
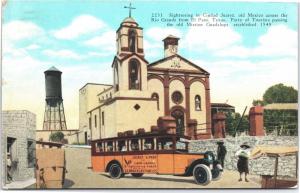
point(260, 166)
point(21, 125)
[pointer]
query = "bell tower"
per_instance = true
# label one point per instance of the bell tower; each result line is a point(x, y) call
point(170, 45)
point(130, 66)
point(130, 36)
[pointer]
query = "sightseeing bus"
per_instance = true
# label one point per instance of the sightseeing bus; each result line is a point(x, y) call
point(153, 154)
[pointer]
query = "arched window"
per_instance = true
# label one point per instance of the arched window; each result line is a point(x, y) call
point(134, 74)
point(197, 103)
point(117, 77)
point(156, 97)
point(132, 40)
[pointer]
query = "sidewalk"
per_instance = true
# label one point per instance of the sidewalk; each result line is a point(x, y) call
point(20, 184)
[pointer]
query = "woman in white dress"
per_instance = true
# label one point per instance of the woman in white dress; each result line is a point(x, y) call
point(243, 154)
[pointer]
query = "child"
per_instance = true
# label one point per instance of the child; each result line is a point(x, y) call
point(243, 154)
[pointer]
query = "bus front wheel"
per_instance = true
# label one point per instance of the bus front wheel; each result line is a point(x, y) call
point(202, 174)
point(115, 171)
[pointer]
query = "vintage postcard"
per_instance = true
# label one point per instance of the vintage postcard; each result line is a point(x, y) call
point(149, 94)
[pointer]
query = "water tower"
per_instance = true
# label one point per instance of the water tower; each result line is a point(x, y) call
point(54, 118)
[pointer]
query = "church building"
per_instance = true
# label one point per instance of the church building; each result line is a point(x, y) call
point(143, 92)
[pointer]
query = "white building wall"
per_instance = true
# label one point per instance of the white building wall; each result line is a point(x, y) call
point(110, 115)
point(156, 86)
point(121, 116)
point(106, 126)
point(197, 88)
point(95, 124)
point(88, 100)
point(128, 118)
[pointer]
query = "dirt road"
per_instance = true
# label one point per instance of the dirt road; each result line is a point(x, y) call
point(81, 176)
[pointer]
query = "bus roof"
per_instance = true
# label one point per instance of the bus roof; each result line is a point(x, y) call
point(144, 135)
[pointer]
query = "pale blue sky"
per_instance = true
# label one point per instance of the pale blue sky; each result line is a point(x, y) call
point(243, 61)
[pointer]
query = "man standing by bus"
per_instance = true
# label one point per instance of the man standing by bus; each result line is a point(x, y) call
point(221, 153)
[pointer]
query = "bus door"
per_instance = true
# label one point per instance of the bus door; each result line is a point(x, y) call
point(165, 156)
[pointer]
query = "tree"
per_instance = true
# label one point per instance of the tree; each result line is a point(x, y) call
point(57, 136)
point(258, 102)
point(284, 121)
point(281, 122)
point(231, 122)
point(280, 93)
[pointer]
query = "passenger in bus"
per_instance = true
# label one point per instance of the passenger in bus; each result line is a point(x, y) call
point(159, 146)
point(168, 145)
point(109, 148)
point(123, 148)
point(134, 146)
point(99, 147)
point(148, 146)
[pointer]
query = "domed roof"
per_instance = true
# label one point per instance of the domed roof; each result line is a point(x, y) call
point(129, 21)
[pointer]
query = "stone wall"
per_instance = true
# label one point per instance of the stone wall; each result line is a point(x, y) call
point(260, 166)
point(21, 126)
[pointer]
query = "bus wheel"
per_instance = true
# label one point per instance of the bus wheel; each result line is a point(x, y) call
point(137, 175)
point(216, 173)
point(115, 171)
point(202, 174)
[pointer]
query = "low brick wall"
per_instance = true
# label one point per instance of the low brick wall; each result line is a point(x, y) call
point(260, 166)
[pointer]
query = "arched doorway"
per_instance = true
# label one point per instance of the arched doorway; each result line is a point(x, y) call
point(178, 115)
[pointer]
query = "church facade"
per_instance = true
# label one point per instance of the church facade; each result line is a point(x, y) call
point(143, 92)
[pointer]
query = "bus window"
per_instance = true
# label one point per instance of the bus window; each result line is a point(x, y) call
point(165, 143)
point(122, 146)
point(99, 147)
point(168, 145)
point(149, 144)
point(134, 145)
point(180, 145)
point(109, 146)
